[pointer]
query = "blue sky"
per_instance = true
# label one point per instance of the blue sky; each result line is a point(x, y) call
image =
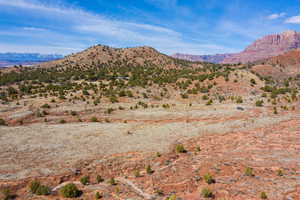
point(186, 26)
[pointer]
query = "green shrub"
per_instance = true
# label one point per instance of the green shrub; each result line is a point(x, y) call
point(209, 178)
point(43, 190)
point(99, 179)
point(207, 193)
point(259, 103)
point(34, 185)
point(137, 173)
point(210, 102)
point(94, 119)
point(98, 195)
point(73, 113)
point(62, 121)
point(172, 197)
point(184, 96)
point(7, 195)
point(279, 172)
point(38, 189)
point(159, 192)
point(275, 111)
point(180, 148)
point(263, 195)
point(70, 191)
point(205, 97)
point(253, 82)
point(113, 99)
point(109, 110)
point(249, 172)
point(85, 92)
point(2, 122)
point(85, 180)
point(46, 106)
point(149, 170)
point(239, 100)
point(112, 181)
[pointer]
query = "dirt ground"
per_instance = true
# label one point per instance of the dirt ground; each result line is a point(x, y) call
point(43, 149)
point(230, 139)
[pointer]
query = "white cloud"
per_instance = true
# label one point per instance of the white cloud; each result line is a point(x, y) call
point(293, 20)
point(276, 16)
point(43, 49)
point(34, 29)
point(90, 28)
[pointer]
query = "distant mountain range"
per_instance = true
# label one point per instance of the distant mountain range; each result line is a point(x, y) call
point(217, 58)
point(11, 59)
point(266, 47)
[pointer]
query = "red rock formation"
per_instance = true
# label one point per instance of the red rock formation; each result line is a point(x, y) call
point(268, 46)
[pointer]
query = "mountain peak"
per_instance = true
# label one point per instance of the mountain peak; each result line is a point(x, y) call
point(289, 32)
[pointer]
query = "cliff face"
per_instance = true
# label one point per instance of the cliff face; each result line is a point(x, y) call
point(266, 47)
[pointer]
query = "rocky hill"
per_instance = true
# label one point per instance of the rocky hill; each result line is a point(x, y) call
point(279, 67)
point(266, 47)
point(137, 56)
point(289, 60)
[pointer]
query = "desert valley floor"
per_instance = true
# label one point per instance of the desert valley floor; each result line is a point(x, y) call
point(222, 139)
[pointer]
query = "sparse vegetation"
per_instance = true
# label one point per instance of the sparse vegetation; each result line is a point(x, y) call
point(249, 171)
point(280, 172)
point(253, 82)
point(112, 181)
point(70, 191)
point(263, 195)
point(46, 106)
point(98, 195)
point(137, 173)
point(7, 194)
point(162, 93)
point(149, 170)
point(209, 178)
point(99, 179)
point(159, 192)
point(239, 100)
point(2, 122)
point(73, 113)
point(172, 197)
point(210, 102)
point(259, 103)
point(38, 189)
point(180, 148)
point(94, 119)
point(85, 180)
point(207, 193)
